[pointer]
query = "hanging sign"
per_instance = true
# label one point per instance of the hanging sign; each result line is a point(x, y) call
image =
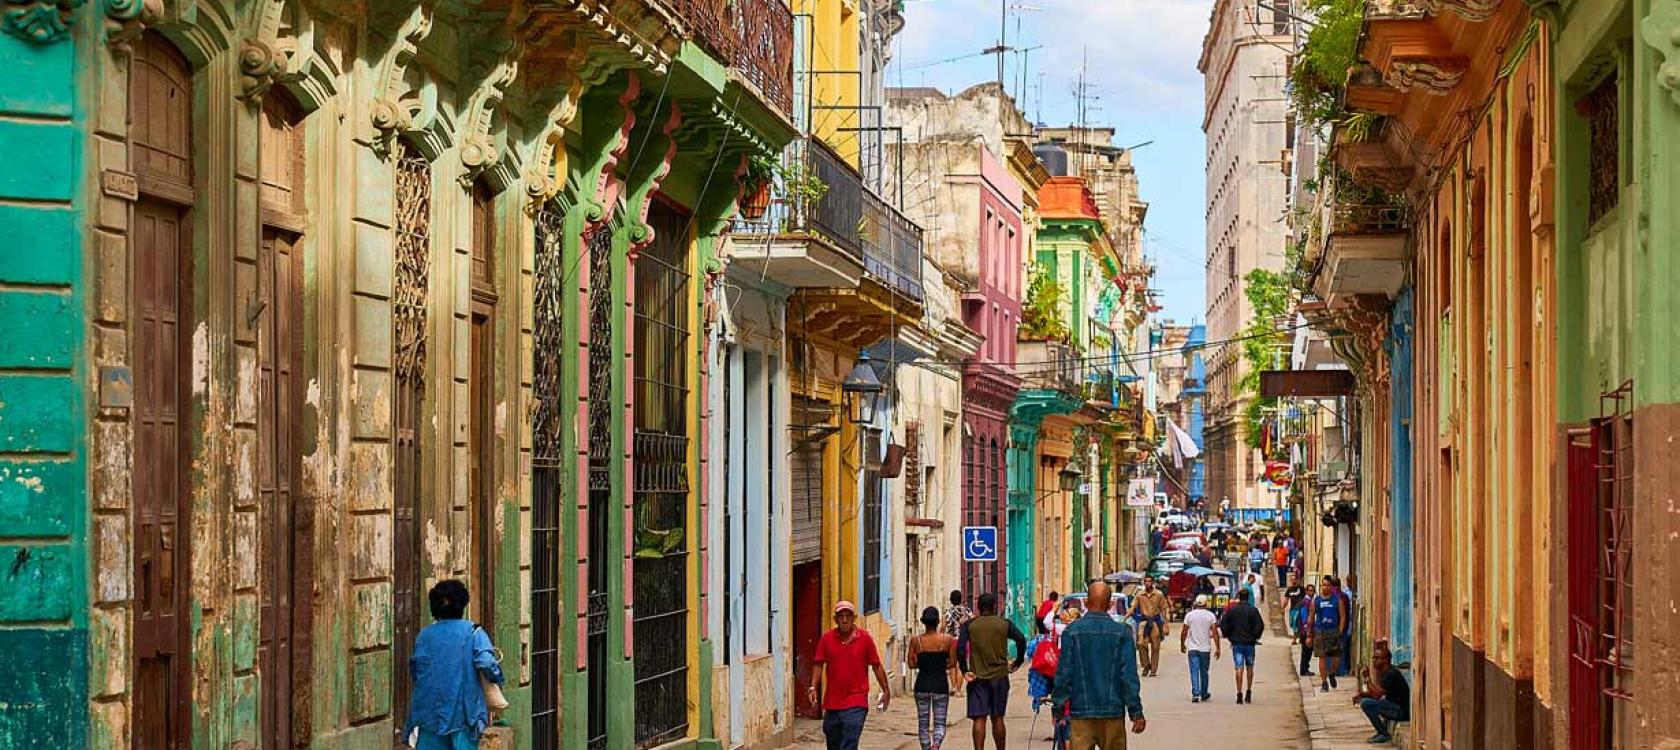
point(1140, 493)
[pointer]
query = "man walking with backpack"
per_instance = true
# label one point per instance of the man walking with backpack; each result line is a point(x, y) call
point(1243, 626)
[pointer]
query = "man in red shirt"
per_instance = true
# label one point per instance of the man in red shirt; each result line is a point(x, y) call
point(844, 658)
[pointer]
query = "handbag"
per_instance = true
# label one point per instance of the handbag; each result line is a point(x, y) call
point(1047, 656)
point(494, 699)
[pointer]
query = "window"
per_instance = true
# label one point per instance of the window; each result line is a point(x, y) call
point(1600, 109)
point(872, 521)
point(481, 434)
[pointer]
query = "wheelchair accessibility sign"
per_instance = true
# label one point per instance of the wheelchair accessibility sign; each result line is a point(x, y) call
point(980, 544)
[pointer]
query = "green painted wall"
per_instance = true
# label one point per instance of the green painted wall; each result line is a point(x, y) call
point(43, 479)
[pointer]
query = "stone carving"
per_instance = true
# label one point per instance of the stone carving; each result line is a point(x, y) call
point(39, 21)
point(1469, 10)
point(1661, 30)
point(478, 148)
point(1433, 76)
point(125, 19)
point(391, 111)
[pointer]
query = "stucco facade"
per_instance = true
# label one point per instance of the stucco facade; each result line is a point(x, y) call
point(1247, 126)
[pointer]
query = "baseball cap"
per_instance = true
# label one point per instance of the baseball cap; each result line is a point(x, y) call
point(844, 606)
point(1201, 600)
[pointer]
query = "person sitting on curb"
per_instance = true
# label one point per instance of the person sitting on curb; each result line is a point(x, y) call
point(1385, 695)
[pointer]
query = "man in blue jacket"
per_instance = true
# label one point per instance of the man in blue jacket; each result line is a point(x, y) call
point(1096, 677)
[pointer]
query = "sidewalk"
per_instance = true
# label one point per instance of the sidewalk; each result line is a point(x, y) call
point(1333, 722)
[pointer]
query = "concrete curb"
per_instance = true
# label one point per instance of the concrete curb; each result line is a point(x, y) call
point(1333, 722)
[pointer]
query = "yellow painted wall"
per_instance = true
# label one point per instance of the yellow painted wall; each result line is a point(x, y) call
point(834, 62)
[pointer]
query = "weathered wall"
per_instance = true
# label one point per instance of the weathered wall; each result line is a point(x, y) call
point(45, 372)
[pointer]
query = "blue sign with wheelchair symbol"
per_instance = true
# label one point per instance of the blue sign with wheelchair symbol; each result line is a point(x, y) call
point(979, 544)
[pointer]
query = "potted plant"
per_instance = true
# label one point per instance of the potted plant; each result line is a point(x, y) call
point(761, 172)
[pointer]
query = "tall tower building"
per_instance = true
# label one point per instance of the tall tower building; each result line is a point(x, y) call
point(1248, 128)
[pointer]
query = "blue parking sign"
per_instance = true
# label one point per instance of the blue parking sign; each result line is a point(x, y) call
point(979, 544)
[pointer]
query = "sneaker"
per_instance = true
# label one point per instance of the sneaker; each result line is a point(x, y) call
point(1195, 699)
point(1248, 696)
point(1323, 687)
point(1207, 697)
point(1332, 680)
point(1379, 739)
point(1239, 699)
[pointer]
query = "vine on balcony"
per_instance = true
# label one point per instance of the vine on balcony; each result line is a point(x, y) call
point(1318, 75)
point(1268, 293)
point(1041, 315)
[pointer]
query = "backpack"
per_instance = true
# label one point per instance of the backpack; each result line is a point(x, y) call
point(1047, 656)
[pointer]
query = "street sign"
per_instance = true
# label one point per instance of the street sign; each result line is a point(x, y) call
point(980, 544)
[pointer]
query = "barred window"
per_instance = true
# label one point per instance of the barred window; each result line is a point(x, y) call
point(1599, 108)
point(872, 522)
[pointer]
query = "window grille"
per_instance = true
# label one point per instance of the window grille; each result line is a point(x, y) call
point(1600, 108)
point(601, 505)
point(1614, 438)
point(546, 481)
point(661, 482)
point(413, 261)
point(913, 468)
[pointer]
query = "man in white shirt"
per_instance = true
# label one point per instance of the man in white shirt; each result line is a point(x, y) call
point(1198, 637)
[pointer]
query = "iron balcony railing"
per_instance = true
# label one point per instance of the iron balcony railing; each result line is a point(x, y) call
point(755, 37)
point(892, 247)
point(835, 216)
point(1051, 365)
point(1368, 217)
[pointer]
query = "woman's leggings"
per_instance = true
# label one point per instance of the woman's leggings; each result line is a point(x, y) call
point(930, 718)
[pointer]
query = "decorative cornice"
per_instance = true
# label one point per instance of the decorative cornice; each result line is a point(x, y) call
point(477, 148)
point(391, 111)
point(1435, 76)
point(1469, 10)
point(39, 21)
point(1661, 30)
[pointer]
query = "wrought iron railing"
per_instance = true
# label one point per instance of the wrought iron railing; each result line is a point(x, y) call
point(835, 216)
point(755, 37)
point(1369, 217)
point(892, 247)
point(1049, 364)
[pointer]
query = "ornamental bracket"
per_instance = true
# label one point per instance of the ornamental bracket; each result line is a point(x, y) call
point(1661, 30)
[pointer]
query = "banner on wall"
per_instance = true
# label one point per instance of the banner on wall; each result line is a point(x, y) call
point(1140, 493)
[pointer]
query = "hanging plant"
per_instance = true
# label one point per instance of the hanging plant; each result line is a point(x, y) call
point(1041, 316)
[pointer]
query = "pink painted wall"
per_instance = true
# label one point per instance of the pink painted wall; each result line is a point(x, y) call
point(995, 309)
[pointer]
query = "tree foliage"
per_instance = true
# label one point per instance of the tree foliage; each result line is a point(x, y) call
point(1263, 343)
point(1318, 74)
point(1041, 315)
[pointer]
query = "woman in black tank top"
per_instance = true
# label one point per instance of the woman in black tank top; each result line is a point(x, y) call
point(935, 656)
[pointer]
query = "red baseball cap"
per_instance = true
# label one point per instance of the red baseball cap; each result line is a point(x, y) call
point(844, 606)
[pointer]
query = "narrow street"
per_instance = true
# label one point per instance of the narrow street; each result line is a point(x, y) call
point(1274, 720)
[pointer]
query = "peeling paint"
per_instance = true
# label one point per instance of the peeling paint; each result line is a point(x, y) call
point(312, 394)
point(30, 483)
point(436, 545)
point(501, 418)
point(201, 359)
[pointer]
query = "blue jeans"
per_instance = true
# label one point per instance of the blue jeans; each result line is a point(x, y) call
point(843, 728)
point(1380, 711)
point(1199, 662)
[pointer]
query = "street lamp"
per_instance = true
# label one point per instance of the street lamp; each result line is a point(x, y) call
point(1070, 476)
point(862, 391)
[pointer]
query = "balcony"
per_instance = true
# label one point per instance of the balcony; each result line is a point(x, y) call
point(805, 241)
point(753, 37)
point(1051, 365)
point(1366, 246)
point(892, 248)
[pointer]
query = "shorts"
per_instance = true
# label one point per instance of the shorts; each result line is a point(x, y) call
point(988, 697)
point(1327, 643)
point(1242, 655)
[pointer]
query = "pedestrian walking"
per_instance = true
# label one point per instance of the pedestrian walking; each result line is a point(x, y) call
point(1150, 611)
point(1040, 681)
point(1329, 618)
point(1199, 638)
point(1255, 585)
point(452, 661)
point(845, 657)
point(957, 615)
point(1345, 664)
point(1280, 560)
point(1243, 626)
point(1045, 609)
point(1385, 697)
point(983, 652)
point(1097, 679)
point(1304, 629)
point(935, 656)
point(1292, 597)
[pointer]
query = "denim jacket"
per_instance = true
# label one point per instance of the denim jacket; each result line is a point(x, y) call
point(1097, 672)
point(449, 656)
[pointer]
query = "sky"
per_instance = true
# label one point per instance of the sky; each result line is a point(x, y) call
point(1142, 81)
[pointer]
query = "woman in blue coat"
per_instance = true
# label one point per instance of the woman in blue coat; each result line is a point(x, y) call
point(448, 711)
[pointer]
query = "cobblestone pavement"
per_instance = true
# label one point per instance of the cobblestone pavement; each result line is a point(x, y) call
point(1274, 720)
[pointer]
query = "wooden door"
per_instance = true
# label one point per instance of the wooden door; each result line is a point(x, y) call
point(158, 480)
point(481, 469)
point(1586, 704)
point(285, 586)
point(160, 293)
point(413, 263)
